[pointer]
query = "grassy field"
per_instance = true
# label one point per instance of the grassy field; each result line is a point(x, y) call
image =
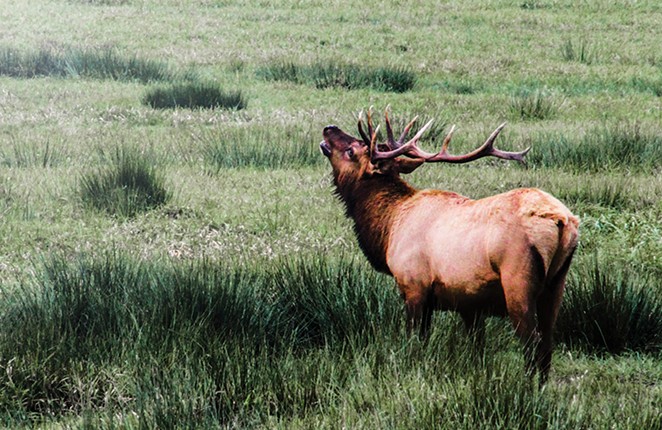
point(172, 254)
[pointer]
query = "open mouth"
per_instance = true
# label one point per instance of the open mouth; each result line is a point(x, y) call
point(324, 147)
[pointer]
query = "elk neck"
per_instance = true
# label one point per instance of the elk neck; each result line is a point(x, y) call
point(372, 204)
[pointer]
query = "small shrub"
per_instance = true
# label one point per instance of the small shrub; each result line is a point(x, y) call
point(193, 95)
point(611, 309)
point(532, 105)
point(129, 185)
point(348, 76)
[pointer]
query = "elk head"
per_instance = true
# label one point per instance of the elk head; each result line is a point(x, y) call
point(364, 158)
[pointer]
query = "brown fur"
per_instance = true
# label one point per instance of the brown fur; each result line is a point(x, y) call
point(503, 255)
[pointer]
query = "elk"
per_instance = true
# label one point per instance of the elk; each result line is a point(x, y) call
point(504, 255)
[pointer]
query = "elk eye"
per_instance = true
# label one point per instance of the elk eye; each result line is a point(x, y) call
point(350, 153)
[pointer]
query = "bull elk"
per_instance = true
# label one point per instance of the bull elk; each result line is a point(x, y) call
point(504, 255)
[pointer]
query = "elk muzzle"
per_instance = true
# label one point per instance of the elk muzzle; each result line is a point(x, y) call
point(325, 148)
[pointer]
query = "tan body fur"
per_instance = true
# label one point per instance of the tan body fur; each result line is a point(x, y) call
point(458, 249)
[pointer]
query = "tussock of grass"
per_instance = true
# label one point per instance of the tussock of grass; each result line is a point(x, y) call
point(158, 344)
point(194, 95)
point(36, 154)
point(581, 52)
point(129, 185)
point(653, 86)
point(348, 76)
point(615, 194)
point(532, 105)
point(100, 63)
point(261, 146)
point(611, 310)
point(459, 86)
point(619, 147)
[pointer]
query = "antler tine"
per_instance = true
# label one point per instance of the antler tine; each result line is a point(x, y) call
point(373, 142)
point(447, 139)
point(370, 127)
point(389, 131)
point(366, 139)
point(485, 150)
point(409, 148)
point(404, 134)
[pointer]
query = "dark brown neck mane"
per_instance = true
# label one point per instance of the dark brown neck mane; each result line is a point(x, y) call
point(370, 202)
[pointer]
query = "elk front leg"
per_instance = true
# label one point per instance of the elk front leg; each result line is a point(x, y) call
point(419, 313)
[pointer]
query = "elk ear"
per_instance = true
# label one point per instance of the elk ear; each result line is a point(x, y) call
point(395, 166)
point(407, 165)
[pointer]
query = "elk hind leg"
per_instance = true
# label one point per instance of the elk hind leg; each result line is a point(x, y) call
point(521, 306)
point(548, 305)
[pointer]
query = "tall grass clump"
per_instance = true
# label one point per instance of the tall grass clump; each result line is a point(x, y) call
point(349, 76)
point(611, 309)
point(459, 86)
point(129, 185)
point(624, 147)
point(330, 302)
point(532, 105)
point(581, 52)
point(112, 331)
point(111, 341)
point(644, 85)
point(113, 310)
point(95, 63)
point(33, 154)
point(260, 146)
point(614, 193)
point(193, 95)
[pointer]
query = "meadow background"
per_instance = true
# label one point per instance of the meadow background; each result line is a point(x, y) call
point(172, 255)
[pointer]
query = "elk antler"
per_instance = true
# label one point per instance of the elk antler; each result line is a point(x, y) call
point(389, 132)
point(367, 138)
point(410, 149)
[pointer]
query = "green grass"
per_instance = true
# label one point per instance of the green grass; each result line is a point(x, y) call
point(348, 76)
point(242, 299)
point(69, 62)
point(194, 95)
point(281, 340)
point(275, 146)
point(536, 105)
point(130, 184)
point(624, 147)
point(612, 311)
point(582, 52)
